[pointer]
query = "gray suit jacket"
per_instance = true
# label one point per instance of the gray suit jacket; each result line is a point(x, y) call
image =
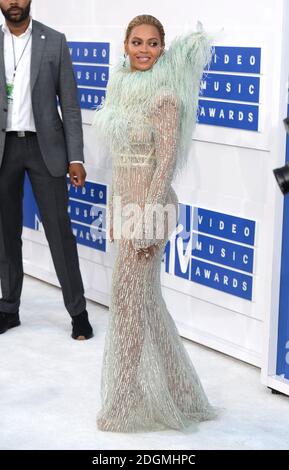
point(61, 141)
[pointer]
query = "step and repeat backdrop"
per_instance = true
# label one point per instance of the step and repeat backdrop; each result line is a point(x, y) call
point(221, 267)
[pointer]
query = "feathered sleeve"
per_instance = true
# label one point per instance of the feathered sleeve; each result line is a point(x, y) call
point(192, 51)
point(184, 64)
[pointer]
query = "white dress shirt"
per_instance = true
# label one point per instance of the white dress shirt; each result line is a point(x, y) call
point(20, 112)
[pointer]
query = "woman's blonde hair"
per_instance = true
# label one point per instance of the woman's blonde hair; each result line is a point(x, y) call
point(146, 19)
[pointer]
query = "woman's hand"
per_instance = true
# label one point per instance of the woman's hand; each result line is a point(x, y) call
point(147, 252)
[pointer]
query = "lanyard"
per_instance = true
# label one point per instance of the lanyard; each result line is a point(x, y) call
point(14, 55)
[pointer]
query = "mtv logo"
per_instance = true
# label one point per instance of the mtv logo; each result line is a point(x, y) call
point(177, 254)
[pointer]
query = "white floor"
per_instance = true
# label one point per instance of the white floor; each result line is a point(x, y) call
point(50, 389)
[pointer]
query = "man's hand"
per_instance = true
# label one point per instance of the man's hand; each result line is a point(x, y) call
point(77, 174)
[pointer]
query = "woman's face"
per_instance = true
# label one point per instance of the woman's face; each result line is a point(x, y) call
point(143, 47)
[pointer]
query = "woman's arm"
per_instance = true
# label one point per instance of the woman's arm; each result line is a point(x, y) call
point(166, 130)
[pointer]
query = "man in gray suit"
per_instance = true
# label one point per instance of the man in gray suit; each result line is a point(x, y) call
point(35, 70)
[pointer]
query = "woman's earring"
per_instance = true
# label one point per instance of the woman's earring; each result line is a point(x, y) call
point(124, 60)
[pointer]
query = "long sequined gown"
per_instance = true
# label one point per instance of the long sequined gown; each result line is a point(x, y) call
point(148, 380)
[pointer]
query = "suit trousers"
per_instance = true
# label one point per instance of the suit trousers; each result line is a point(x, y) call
point(23, 155)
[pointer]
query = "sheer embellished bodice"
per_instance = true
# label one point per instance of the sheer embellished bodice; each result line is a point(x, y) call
point(143, 169)
point(133, 167)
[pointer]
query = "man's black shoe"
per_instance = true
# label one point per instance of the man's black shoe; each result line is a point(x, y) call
point(8, 320)
point(81, 328)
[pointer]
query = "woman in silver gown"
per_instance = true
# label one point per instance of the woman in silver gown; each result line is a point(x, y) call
point(148, 380)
